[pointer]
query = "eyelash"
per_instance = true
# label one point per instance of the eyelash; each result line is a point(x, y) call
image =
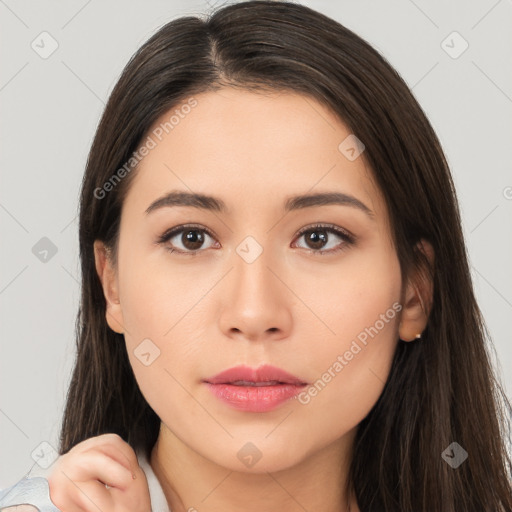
point(348, 238)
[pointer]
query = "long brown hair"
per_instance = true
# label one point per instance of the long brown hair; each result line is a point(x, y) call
point(441, 389)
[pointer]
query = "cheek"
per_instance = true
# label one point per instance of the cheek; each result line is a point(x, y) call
point(360, 311)
point(159, 332)
point(156, 295)
point(159, 338)
point(351, 296)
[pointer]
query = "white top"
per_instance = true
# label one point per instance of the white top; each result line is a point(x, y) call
point(156, 493)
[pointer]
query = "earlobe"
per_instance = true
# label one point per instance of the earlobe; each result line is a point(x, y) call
point(108, 279)
point(418, 298)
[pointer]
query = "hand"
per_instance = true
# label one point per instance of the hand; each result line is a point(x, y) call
point(77, 481)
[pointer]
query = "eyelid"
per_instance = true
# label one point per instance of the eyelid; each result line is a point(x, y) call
point(328, 227)
point(182, 227)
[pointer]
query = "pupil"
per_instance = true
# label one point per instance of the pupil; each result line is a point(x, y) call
point(317, 240)
point(193, 239)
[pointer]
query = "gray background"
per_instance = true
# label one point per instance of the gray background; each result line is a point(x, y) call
point(50, 109)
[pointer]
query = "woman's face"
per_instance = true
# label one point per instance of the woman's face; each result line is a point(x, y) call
point(319, 305)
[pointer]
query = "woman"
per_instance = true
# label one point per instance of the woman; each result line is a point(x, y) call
point(277, 310)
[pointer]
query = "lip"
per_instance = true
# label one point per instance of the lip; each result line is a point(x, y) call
point(264, 373)
point(254, 389)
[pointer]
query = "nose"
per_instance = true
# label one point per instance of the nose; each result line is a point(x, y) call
point(256, 304)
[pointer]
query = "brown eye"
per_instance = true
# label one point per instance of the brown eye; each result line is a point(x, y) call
point(325, 239)
point(186, 239)
point(316, 239)
point(192, 240)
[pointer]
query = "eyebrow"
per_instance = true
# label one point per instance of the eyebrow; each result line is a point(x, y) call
point(205, 202)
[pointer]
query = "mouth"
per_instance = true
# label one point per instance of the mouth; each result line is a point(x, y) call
point(259, 389)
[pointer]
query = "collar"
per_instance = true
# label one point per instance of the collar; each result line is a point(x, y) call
point(156, 493)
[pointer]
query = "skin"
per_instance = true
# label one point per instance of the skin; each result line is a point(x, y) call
point(290, 307)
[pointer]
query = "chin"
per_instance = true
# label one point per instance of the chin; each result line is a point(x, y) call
point(259, 456)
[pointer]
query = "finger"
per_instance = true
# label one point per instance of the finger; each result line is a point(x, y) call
point(92, 496)
point(95, 465)
point(118, 449)
point(136, 497)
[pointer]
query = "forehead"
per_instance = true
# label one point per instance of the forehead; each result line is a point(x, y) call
point(249, 148)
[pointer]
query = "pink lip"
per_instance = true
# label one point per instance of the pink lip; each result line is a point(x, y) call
point(233, 386)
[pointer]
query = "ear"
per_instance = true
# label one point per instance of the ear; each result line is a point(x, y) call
point(109, 282)
point(418, 298)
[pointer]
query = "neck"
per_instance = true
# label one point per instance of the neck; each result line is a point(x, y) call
point(193, 483)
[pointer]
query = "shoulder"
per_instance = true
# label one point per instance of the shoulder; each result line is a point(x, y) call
point(20, 508)
point(30, 494)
